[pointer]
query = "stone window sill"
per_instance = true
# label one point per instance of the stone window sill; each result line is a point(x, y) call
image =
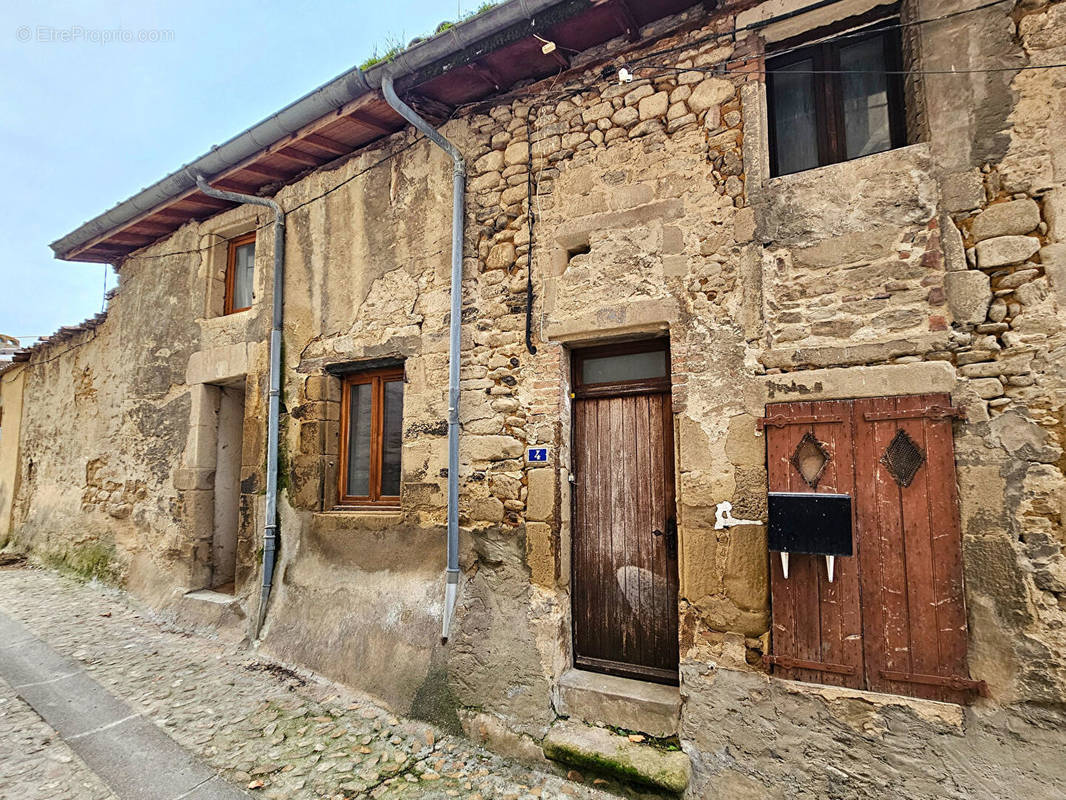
point(935, 711)
point(815, 173)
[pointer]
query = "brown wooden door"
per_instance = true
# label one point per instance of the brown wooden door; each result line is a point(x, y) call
point(625, 582)
point(894, 619)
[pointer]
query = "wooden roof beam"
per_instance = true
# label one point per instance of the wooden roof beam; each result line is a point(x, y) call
point(367, 121)
point(624, 14)
point(332, 145)
point(272, 173)
point(487, 74)
point(428, 107)
point(298, 156)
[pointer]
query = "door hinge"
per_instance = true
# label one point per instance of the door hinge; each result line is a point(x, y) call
point(950, 681)
point(931, 411)
point(781, 421)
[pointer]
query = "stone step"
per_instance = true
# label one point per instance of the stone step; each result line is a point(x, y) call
point(602, 751)
point(650, 708)
point(216, 613)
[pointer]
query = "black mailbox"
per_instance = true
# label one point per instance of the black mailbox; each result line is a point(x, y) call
point(807, 522)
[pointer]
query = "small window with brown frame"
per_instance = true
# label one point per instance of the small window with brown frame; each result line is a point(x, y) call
point(838, 98)
point(240, 274)
point(625, 368)
point(371, 438)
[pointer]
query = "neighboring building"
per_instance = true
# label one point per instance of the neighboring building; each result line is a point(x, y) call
point(847, 278)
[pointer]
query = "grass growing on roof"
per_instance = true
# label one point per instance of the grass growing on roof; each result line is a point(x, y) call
point(393, 44)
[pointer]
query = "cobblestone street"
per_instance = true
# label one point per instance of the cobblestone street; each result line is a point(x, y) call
point(270, 731)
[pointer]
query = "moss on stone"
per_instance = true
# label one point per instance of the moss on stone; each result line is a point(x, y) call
point(599, 750)
point(435, 702)
point(94, 560)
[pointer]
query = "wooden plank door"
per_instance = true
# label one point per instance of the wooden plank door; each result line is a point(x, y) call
point(625, 582)
point(817, 625)
point(911, 555)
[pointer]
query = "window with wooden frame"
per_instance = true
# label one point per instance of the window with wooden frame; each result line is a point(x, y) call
point(240, 274)
point(838, 98)
point(371, 438)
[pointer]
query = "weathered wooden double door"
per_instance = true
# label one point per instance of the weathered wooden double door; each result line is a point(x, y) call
point(893, 619)
point(624, 561)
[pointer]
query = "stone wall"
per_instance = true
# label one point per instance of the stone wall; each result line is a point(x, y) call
point(934, 267)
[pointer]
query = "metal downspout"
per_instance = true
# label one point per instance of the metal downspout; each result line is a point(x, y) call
point(270, 526)
point(458, 191)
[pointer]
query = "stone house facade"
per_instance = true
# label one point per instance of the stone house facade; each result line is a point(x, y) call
point(649, 232)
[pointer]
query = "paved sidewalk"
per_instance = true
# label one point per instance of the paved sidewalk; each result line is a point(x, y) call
point(268, 731)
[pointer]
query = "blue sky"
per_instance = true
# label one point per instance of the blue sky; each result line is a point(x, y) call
point(87, 123)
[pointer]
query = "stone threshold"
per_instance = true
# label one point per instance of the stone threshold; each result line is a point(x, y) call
point(633, 705)
point(210, 596)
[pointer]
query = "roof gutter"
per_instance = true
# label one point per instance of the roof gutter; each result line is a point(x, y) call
point(463, 42)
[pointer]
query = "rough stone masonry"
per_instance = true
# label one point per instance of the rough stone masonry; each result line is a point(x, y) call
point(938, 266)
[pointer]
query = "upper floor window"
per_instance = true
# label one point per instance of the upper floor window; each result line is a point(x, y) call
point(835, 100)
point(240, 273)
point(371, 438)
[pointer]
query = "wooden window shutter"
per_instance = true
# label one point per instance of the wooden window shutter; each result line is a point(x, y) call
point(914, 613)
point(894, 620)
point(817, 625)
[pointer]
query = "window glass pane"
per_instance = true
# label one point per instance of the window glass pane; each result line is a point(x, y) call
point(359, 440)
point(795, 123)
point(392, 439)
point(630, 367)
point(865, 87)
point(243, 275)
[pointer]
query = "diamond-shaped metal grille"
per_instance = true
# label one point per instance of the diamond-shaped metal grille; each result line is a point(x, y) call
point(903, 458)
point(810, 459)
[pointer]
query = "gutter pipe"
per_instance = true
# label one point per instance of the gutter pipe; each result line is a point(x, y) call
point(270, 525)
point(451, 585)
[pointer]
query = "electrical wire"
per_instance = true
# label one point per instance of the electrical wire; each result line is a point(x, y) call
point(717, 69)
point(983, 70)
point(731, 34)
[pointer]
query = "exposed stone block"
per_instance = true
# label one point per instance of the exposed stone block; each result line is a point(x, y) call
point(1053, 258)
point(646, 127)
point(501, 256)
point(1004, 250)
point(485, 509)
point(710, 92)
point(968, 294)
point(678, 123)
point(1013, 364)
point(654, 105)
point(540, 500)
point(962, 191)
point(491, 448)
point(626, 117)
point(1055, 214)
point(637, 94)
point(951, 243)
point(1006, 219)
point(1016, 279)
point(194, 479)
point(987, 388)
